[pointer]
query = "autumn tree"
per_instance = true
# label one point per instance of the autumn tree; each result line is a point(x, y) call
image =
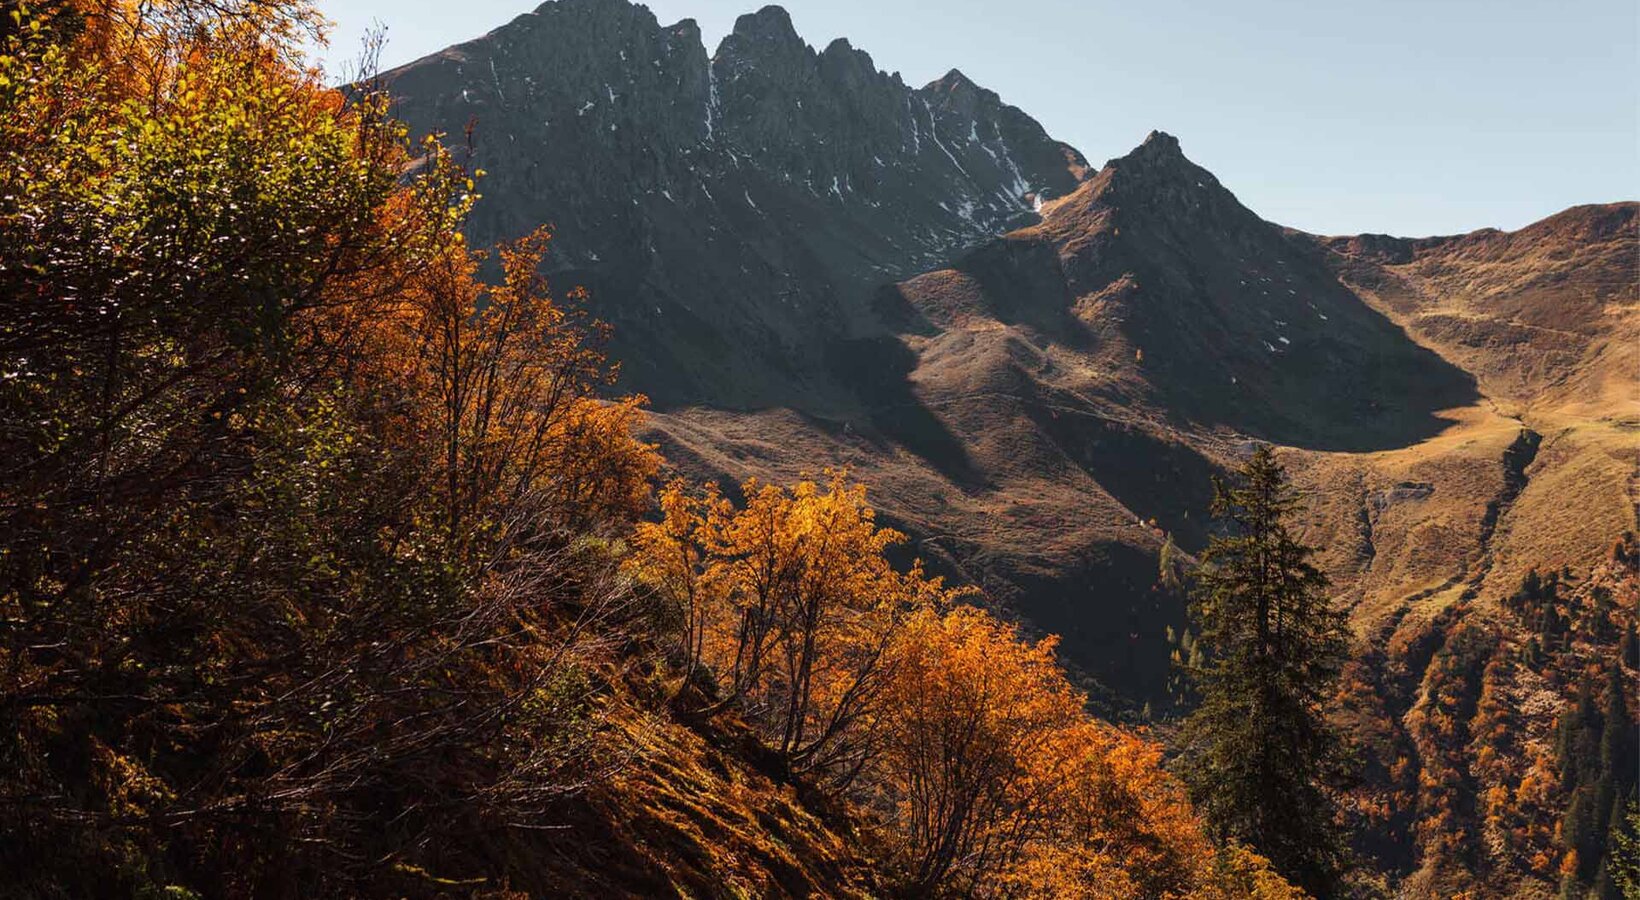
point(509, 376)
point(672, 556)
point(298, 522)
point(965, 743)
point(972, 717)
point(790, 600)
point(994, 782)
point(1260, 758)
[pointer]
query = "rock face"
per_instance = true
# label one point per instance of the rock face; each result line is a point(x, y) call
point(732, 215)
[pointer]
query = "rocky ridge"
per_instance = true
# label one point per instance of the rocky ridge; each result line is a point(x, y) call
point(732, 213)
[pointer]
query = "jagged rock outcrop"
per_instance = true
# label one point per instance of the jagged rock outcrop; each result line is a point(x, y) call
point(732, 215)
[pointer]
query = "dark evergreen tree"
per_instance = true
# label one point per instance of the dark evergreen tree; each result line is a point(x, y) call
point(1600, 616)
point(1554, 626)
point(1261, 760)
point(1620, 871)
point(1532, 585)
point(1580, 832)
point(1575, 741)
point(1527, 600)
point(1617, 743)
point(1596, 754)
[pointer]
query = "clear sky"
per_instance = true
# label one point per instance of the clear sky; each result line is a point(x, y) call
point(1411, 117)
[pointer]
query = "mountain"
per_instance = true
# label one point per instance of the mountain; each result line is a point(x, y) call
point(733, 214)
point(770, 230)
point(1039, 366)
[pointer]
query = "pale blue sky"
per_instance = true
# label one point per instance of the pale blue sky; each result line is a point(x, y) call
point(1411, 117)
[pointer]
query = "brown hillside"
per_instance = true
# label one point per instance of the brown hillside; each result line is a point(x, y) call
point(1547, 319)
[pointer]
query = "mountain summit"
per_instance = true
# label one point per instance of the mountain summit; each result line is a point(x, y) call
point(732, 213)
point(1238, 322)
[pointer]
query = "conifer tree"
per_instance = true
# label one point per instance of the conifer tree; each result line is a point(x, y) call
point(1260, 758)
point(1580, 834)
point(1617, 757)
point(1575, 749)
point(1595, 752)
point(1623, 862)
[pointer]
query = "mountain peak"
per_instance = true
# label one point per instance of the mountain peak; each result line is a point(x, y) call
point(957, 86)
point(595, 9)
point(847, 64)
point(769, 23)
point(1157, 183)
point(1162, 142)
point(958, 92)
point(1157, 161)
point(687, 29)
point(1158, 149)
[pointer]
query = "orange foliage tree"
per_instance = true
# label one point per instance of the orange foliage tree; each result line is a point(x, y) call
point(790, 599)
point(506, 377)
point(966, 744)
point(300, 524)
point(973, 756)
point(995, 783)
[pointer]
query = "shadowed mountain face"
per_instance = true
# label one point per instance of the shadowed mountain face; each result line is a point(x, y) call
point(1101, 365)
point(731, 214)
